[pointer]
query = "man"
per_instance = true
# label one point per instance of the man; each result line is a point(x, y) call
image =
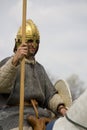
point(38, 86)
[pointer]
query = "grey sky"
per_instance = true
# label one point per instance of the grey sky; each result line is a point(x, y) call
point(63, 29)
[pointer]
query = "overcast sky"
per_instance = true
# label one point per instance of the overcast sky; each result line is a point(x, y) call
point(63, 31)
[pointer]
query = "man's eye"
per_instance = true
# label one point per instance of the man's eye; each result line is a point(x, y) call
point(37, 41)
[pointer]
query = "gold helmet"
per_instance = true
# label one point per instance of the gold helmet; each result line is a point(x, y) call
point(32, 33)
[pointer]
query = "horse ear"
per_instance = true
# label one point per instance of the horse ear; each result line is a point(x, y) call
point(64, 91)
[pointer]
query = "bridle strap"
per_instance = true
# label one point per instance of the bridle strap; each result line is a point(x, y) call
point(75, 123)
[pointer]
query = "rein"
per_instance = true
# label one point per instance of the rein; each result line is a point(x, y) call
point(75, 123)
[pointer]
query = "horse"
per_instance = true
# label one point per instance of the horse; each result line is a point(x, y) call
point(75, 118)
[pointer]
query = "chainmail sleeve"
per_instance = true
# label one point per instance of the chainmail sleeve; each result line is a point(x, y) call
point(53, 99)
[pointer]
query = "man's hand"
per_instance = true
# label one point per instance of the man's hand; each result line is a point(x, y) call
point(62, 110)
point(21, 52)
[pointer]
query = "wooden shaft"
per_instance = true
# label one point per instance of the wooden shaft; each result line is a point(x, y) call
point(22, 74)
point(35, 108)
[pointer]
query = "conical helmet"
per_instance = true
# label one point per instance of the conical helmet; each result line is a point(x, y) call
point(32, 33)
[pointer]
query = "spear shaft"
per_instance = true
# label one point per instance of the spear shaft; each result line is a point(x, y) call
point(22, 73)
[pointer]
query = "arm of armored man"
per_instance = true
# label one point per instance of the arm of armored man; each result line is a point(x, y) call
point(56, 104)
point(7, 76)
point(8, 70)
point(20, 53)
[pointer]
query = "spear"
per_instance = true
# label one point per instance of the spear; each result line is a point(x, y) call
point(22, 73)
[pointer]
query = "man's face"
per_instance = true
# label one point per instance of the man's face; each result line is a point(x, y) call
point(33, 46)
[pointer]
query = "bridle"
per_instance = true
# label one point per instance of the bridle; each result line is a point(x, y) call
point(75, 123)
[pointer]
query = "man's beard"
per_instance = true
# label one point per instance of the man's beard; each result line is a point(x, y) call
point(32, 54)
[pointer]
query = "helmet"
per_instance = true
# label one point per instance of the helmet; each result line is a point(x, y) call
point(32, 33)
